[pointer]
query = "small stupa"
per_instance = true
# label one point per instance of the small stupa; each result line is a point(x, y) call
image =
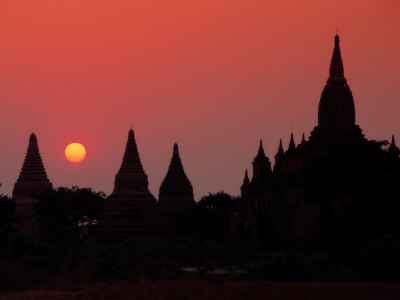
point(176, 191)
point(32, 181)
point(131, 209)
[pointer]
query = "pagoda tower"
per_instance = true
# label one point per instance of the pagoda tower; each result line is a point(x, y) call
point(261, 166)
point(336, 112)
point(176, 191)
point(32, 181)
point(131, 208)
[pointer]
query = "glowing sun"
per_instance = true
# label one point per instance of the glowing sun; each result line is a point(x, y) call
point(75, 152)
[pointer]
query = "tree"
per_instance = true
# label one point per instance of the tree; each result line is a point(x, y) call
point(7, 209)
point(65, 210)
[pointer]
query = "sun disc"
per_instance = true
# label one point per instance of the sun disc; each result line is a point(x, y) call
point(75, 152)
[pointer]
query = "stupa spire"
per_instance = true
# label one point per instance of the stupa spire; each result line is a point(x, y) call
point(32, 171)
point(32, 181)
point(131, 162)
point(336, 71)
point(175, 169)
point(261, 152)
point(303, 139)
point(280, 149)
point(292, 145)
point(393, 143)
point(246, 180)
point(176, 191)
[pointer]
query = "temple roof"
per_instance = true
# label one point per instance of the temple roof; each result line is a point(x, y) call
point(33, 168)
point(336, 71)
point(336, 107)
point(176, 181)
point(261, 157)
point(246, 180)
point(280, 149)
point(292, 145)
point(131, 162)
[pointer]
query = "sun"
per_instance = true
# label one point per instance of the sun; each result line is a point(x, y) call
point(75, 152)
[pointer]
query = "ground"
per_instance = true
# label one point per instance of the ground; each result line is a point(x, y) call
point(213, 289)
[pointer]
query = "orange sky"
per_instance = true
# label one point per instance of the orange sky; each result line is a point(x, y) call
point(214, 76)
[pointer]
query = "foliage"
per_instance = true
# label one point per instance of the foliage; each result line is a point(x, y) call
point(64, 213)
point(7, 209)
point(209, 218)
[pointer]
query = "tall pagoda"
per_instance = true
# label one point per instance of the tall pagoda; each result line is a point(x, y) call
point(32, 180)
point(176, 191)
point(131, 209)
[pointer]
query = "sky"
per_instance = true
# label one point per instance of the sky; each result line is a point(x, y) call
point(215, 76)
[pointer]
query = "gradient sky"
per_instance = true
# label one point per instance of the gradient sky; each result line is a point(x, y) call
point(214, 76)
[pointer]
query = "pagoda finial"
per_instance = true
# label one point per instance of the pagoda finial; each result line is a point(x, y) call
point(246, 178)
point(261, 150)
point(32, 139)
point(303, 139)
point(280, 149)
point(336, 71)
point(393, 144)
point(292, 145)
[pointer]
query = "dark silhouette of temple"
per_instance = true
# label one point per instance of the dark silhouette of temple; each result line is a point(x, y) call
point(176, 191)
point(32, 181)
point(324, 176)
point(132, 209)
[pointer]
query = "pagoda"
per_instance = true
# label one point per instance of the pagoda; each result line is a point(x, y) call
point(32, 181)
point(131, 209)
point(176, 191)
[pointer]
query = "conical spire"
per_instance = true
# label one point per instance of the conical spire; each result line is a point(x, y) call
point(280, 149)
point(246, 180)
point(336, 71)
point(32, 181)
point(292, 145)
point(33, 168)
point(261, 152)
point(176, 191)
point(175, 169)
point(303, 139)
point(131, 162)
point(261, 157)
point(393, 143)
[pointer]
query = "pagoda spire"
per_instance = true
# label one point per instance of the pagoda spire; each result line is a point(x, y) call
point(393, 143)
point(246, 180)
point(32, 172)
point(32, 181)
point(131, 162)
point(175, 171)
point(280, 149)
point(292, 145)
point(336, 71)
point(176, 191)
point(303, 139)
point(261, 152)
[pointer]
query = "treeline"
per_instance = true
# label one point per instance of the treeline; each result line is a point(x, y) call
point(66, 242)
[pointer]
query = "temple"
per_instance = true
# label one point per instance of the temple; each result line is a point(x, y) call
point(176, 191)
point(32, 180)
point(131, 209)
point(321, 177)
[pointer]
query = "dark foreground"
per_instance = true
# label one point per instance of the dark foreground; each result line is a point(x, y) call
point(193, 289)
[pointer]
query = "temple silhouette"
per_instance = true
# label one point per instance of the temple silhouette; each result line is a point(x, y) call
point(320, 178)
point(130, 209)
point(32, 180)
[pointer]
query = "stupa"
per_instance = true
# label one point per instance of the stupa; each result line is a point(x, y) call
point(131, 209)
point(176, 191)
point(32, 180)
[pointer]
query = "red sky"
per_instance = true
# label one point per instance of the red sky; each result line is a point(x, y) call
point(214, 76)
